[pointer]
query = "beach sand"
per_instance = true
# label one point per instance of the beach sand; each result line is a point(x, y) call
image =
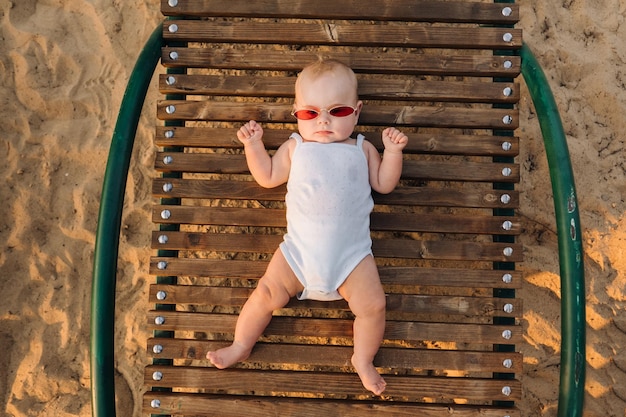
point(64, 65)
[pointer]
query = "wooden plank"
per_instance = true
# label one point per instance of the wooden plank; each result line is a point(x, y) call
point(403, 276)
point(396, 303)
point(473, 223)
point(237, 406)
point(311, 328)
point(330, 385)
point(421, 116)
point(222, 189)
point(382, 63)
point(342, 34)
point(412, 169)
point(443, 143)
point(339, 356)
point(386, 248)
point(415, 196)
point(447, 250)
point(403, 10)
point(450, 197)
point(380, 88)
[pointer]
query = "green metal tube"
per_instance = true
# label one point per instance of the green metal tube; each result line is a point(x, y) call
point(572, 378)
point(108, 232)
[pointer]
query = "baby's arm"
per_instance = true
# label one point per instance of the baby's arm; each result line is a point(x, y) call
point(385, 173)
point(268, 171)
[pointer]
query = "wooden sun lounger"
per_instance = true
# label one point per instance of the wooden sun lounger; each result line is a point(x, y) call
point(445, 240)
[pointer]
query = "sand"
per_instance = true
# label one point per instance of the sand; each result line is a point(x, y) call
point(64, 66)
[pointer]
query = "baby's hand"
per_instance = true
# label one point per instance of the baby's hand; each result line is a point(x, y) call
point(394, 140)
point(250, 132)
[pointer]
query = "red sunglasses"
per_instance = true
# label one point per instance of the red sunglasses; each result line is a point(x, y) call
point(310, 114)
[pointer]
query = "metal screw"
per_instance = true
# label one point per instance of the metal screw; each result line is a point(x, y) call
point(508, 251)
point(507, 334)
point(155, 403)
point(157, 376)
point(506, 171)
point(171, 109)
point(505, 199)
point(507, 278)
point(507, 91)
point(167, 187)
point(173, 28)
point(169, 134)
point(163, 239)
point(166, 214)
point(507, 363)
point(161, 295)
point(173, 55)
point(507, 37)
point(161, 265)
point(506, 390)
point(507, 120)
point(507, 64)
point(159, 320)
point(172, 3)
point(168, 159)
point(170, 80)
point(157, 349)
point(507, 146)
point(507, 225)
point(508, 308)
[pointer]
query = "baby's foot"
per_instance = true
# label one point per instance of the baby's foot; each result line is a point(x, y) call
point(228, 356)
point(370, 378)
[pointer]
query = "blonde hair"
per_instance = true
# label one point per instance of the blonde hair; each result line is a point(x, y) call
point(327, 66)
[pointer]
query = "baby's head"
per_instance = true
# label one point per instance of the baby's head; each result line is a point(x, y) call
point(326, 105)
point(334, 70)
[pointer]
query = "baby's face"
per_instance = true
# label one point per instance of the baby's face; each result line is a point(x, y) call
point(323, 94)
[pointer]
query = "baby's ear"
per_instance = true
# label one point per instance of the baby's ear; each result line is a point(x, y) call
point(359, 107)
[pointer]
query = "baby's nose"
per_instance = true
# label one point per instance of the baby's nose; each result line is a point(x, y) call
point(324, 116)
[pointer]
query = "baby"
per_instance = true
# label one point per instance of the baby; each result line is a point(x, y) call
point(326, 253)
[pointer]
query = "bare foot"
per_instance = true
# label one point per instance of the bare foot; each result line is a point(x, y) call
point(228, 356)
point(370, 378)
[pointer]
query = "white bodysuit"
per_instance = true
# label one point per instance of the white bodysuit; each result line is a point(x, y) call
point(329, 202)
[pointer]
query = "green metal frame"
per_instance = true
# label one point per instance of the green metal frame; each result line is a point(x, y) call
point(109, 222)
point(572, 376)
point(572, 385)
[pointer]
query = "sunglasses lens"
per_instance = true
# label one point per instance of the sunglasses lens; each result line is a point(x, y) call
point(305, 114)
point(341, 111)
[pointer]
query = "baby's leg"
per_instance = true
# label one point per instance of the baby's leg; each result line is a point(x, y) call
point(366, 298)
point(273, 291)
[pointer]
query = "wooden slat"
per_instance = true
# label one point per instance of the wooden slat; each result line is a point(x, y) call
point(385, 248)
point(339, 356)
point(433, 223)
point(223, 189)
point(237, 406)
point(416, 196)
point(412, 169)
point(450, 197)
point(382, 63)
point(379, 88)
point(403, 10)
point(329, 385)
point(403, 276)
point(396, 303)
point(447, 250)
point(443, 143)
point(343, 34)
point(422, 116)
point(417, 331)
